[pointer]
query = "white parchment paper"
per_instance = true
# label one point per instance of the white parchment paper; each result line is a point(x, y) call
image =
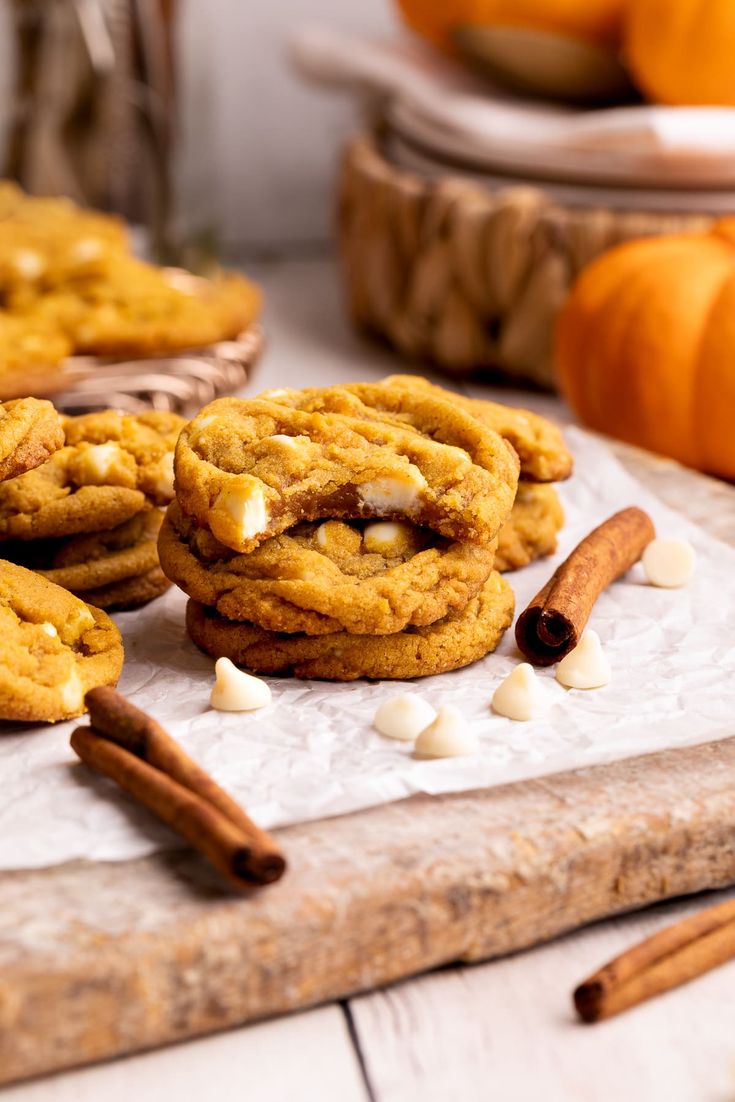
point(313, 752)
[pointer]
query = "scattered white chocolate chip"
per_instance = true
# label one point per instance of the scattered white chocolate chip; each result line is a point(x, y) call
point(279, 392)
point(585, 667)
point(521, 696)
point(385, 535)
point(244, 506)
point(96, 463)
point(322, 535)
point(669, 562)
point(49, 629)
point(395, 493)
point(403, 717)
point(28, 264)
point(237, 691)
point(287, 441)
point(448, 736)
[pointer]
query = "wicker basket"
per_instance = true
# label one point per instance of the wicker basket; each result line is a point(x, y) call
point(465, 275)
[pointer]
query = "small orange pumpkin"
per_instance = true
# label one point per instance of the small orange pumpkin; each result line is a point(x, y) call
point(682, 51)
point(597, 21)
point(645, 346)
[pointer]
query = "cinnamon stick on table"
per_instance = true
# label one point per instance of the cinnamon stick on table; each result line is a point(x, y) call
point(669, 958)
point(553, 623)
point(132, 749)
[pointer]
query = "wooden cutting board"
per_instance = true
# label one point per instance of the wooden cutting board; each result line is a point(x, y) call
point(97, 960)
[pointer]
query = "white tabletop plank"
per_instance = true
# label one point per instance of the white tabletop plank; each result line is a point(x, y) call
point(302, 1056)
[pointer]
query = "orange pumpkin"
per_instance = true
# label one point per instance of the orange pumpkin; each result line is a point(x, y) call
point(594, 20)
point(645, 346)
point(682, 51)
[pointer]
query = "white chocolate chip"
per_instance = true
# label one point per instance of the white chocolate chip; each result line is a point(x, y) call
point(280, 392)
point(585, 667)
point(245, 506)
point(86, 249)
point(49, 629)
point(403, 717)
point(287, 441)
point(448, 736)
point(163, 483)
point(237, 691)
point(395, 493)
point(28, 264)
point(669, 563)
point(72, 692)
point(384, 535)
point(96, 463)
point(322, 536)
point(521, 696)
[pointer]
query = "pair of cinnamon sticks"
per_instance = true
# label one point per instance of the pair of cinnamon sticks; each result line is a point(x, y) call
point(133, 750)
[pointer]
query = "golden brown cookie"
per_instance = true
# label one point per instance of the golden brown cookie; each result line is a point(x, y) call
point(30, 431)
point(117, 568)
point(531, 529)
point(540, 444)
point(55, 648)
point(111, 467)
point(371, 578)
point(30, 352)
point(459, 639)
point(249, 469)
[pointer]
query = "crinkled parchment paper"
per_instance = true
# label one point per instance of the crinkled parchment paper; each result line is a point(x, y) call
point(313, 752)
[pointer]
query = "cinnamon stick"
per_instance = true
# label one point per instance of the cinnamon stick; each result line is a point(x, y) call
point(133, 750)
point(671, 957)
point(553, 623)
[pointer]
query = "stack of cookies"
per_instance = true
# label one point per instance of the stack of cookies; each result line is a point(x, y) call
point(353, 531)
point(87, 515)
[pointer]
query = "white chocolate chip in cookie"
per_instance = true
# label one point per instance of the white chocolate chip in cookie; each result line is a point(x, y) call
point(96, 463)
point(163, 481)
point(237, 691)
point(585, 667)
point(279, 392)
point(394, 494)
point(386, 537)
point(243, 505)
point(520, 695)
point(28, 264)
point(669, 563)
point(403, 717)
point(72, 692)
point(86, 249)
point(448, 736)
point(287, 441)
point(49, 629)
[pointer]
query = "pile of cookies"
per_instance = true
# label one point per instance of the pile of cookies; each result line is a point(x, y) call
point(83, 509)
point(69, 284)
point(357, 531)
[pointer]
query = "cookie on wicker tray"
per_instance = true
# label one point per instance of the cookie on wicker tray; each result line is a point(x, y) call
point(459, 639)
point(55, 648)
point(367, 577)
point(112, 466)
point(30, 432)
point(251, 469)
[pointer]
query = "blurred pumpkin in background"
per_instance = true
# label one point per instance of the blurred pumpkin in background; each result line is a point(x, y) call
point(598, 21)
point(682, 51)
point(645, 346)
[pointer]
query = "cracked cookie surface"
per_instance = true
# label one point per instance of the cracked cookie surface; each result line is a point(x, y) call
point(249, 469)
point(457, 640)
point(55, 647)
point(366, 577)
point(30, 432)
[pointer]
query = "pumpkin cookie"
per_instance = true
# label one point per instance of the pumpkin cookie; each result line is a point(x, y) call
point(251, 469)
point(55, 648)
point(531, 529)
point(118, 568)
point(459, 639)
point(30, 352)
point(112, 466)
point(540, 445)
point(30, 431)
point(371, 578)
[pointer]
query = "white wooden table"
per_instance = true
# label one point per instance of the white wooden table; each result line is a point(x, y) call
point(503, 1030)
